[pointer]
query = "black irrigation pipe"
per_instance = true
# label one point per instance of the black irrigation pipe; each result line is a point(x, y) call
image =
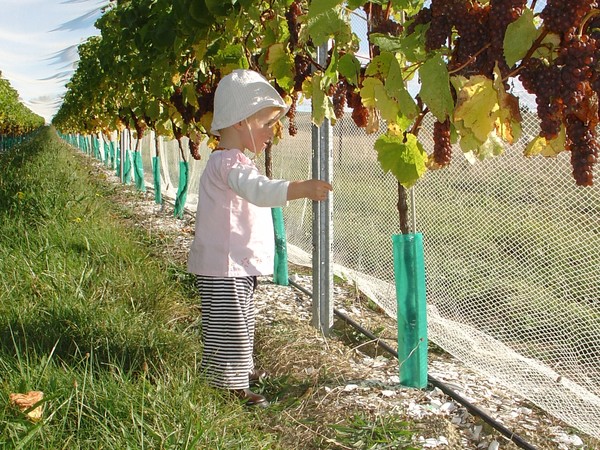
point(518, 440)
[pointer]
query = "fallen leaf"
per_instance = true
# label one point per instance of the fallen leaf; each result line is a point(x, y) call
point(26, 401)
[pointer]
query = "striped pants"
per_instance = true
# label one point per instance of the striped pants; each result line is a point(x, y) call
point(227, 329)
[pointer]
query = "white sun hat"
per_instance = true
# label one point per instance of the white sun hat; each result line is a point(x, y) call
point(239, 95)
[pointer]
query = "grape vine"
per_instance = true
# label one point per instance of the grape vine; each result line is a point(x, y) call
point(463, 52)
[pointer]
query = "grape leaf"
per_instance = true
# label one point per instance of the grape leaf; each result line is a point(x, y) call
point(326, 25)
point(413, 45)
point(379, 66)
point(549, 149)
point(153, 110)
point(395, 87)
point(354, 4)
point(519, 37)
point(477, 106)
point(435, 87)
point(321, 6)
point(321, 103)
point(280, 65)
point(349, 67)
point(409, 7)
point(508, 123)
point(189, 95)
point(374, 94)
point(385, 42)
point(219, 7)
point(406, 159)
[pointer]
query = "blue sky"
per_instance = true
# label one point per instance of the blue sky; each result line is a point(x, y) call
point(38, 47)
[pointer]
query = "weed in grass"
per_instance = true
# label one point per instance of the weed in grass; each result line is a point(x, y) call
point(373, 433)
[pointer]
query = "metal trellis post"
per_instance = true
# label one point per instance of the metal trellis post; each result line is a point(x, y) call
point(322, 168)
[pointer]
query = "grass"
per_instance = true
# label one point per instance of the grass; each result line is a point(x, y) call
point(88, 315)
point(95, 316)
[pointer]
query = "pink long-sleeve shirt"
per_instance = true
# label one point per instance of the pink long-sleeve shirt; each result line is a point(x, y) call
point(234, 228)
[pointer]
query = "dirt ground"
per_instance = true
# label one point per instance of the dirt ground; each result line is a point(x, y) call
point(343, 391)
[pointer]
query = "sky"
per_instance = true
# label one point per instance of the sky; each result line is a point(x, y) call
point(38, 47)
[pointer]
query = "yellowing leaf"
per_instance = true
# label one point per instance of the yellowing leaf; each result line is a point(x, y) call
point(26, 403)
point(374, 95)
point(476, 106)
point(508, 123)
point(549, 149)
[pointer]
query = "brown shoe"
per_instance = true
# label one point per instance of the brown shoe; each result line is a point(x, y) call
point(256, 376)
point(250, 398)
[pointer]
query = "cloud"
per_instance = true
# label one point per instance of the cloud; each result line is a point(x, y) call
point(81, 22)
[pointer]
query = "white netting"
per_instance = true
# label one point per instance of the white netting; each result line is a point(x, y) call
point(511, 249)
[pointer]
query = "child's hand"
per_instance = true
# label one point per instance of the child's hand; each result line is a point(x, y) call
point(316, 190)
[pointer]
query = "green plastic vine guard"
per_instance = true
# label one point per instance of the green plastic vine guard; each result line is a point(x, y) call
point(156, 178)
point(127, 167)
point(181, 189)
point(107, 154)
point(280, 271)
point(113, 155)
point(138, 171)
point(409, 271)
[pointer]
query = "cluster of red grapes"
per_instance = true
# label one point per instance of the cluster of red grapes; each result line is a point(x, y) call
point(338, 94)
point(186, 111)
point(205, 92)
point(291, 15)
point(544, 82)
point(360, 113)
point(442, 147)
point(560, 16)
point(566, 89)
point(194, 149)
point(291, 115)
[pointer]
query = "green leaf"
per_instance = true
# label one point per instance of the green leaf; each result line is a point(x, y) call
point(199, 12)
point(354, 4)
point(219, 7)
point(327, 25)
point(349, 67)
point(321, 6)
point(519, 37)
point(318, 100)
point(413, 45)
point(386, 43)
point(406, 159)
point(409, 7)
point(280, 65)
point(153, 110)
point(435, 87)
point(231, 57)
point(380, 65)
point(189, 95)
point(322, 107)
point(408, 106)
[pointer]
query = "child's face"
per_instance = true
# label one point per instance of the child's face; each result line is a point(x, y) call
point(258, 131)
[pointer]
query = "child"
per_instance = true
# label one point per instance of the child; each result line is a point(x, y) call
point(234, 239)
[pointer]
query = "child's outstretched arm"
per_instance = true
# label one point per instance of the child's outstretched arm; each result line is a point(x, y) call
point(316, 190)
